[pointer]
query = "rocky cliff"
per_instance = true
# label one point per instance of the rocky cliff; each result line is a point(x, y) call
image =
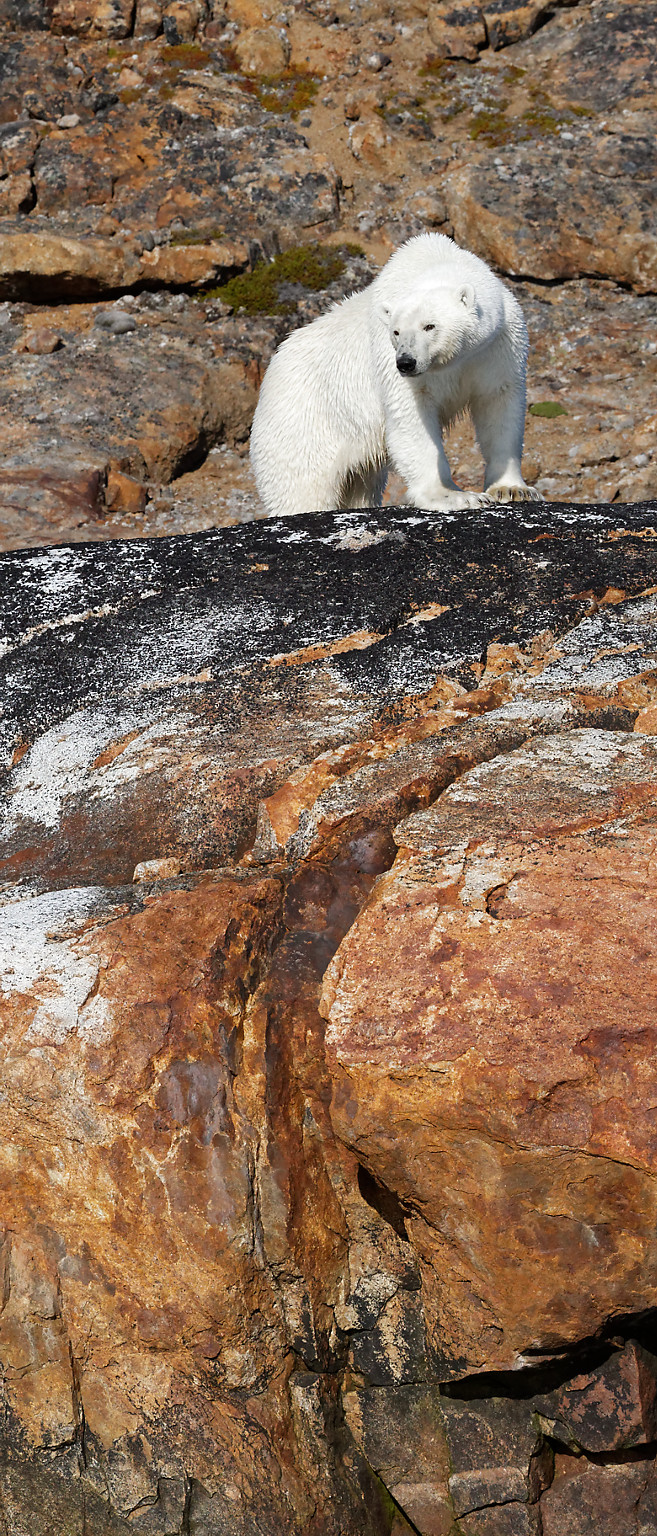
point(181, 183)
point(327, 1123)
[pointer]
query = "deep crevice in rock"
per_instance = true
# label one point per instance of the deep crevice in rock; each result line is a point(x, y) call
point(569, 1360)
point(384, 1201)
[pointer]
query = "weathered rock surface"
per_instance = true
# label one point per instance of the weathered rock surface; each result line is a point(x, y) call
point(271, 1272)
point(501, 1040)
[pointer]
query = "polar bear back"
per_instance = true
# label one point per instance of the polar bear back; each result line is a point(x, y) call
point(432, 256)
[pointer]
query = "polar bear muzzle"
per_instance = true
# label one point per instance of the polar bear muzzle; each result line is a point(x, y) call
point(406, 363)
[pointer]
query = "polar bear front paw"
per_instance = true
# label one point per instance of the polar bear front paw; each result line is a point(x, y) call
point(514, 493)
point(451, 501)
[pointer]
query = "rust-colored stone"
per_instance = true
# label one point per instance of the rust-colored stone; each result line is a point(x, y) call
point(482, 1032)
point(609, 1409)
point(123, 494)
point(218, 1315)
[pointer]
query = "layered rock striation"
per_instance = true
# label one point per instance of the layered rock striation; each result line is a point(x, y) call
point(327, 923)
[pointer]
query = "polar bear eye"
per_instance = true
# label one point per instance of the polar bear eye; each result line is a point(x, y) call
point(395, 333)
point(429, 327)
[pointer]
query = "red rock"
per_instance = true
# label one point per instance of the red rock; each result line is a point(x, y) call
point(226, 1308)
point(502, 957)
point(104, 18)
point(502, 1520)
point(123, 494)
point(47, 501)
point(602, 1501)
point(546, 186)
point(609, 1409)
point(62, 265)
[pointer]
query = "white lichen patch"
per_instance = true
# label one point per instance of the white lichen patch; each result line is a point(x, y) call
point(63, 763)
point(482, 872)
point(602, 651)
point(64, 621)
point(41, 961)
point(580, 760)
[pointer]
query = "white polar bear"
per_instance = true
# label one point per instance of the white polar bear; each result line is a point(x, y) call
point(373, 382)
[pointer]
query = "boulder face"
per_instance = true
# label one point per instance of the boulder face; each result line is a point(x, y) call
point(472, 999)
point(327, 926)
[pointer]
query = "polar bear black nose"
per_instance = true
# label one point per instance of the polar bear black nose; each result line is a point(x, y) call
point(406, 363)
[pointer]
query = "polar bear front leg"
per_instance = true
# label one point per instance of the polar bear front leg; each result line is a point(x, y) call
point(499, 421)
point(415, 448)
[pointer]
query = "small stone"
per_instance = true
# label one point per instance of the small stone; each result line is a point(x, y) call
point(262, 51)
point(148, 18)
point(69, 120)
point(377, 61)
point(367, 140)
point(43, 341)
point(129, 79)
point(156, 869)
point(115, 321)
point(124, 494)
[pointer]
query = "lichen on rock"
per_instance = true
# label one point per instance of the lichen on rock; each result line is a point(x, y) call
point(328, 958)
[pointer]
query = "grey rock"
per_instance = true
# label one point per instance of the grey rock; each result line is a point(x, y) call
point(116, 321)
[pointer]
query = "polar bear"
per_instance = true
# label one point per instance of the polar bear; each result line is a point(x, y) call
point(373, 382)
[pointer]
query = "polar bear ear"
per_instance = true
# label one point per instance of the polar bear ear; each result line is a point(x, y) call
point(468, 296)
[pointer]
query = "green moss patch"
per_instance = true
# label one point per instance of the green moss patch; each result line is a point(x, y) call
point(542, 119)
point(437, 68)
point(288, 93)
point(186, 56)
point(196, 236)
point(547, 408)
point(259, 292)
point(495, 127)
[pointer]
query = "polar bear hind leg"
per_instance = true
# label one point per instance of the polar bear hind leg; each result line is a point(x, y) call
point(363, 487)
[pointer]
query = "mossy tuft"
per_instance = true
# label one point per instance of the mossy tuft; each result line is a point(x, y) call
point(289, 93)
point(196, 236)
point(259, 292)
point(547, 408)
point(186, 56)
point(494, 126)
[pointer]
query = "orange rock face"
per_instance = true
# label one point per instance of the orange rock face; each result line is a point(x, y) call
point(326, 1022)
point(478, 1000)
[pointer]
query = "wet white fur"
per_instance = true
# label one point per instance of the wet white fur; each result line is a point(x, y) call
point(335, 412)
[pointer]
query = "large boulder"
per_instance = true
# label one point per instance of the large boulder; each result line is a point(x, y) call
point(328, 967)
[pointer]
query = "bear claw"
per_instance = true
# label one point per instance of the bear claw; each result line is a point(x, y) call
point(514, 493)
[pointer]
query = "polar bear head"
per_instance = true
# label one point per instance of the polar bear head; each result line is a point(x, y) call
point(439, 324)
